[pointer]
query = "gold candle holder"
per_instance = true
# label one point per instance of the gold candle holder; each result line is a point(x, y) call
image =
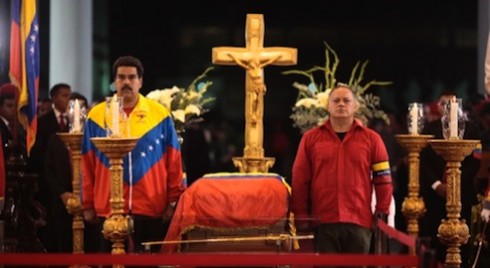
point(116, 225)
point(453, 232)
point(413, 207)
point(73, 142)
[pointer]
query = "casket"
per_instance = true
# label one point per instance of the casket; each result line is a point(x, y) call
point(225, 212)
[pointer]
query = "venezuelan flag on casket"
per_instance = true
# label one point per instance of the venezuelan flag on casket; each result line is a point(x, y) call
point(231, 205)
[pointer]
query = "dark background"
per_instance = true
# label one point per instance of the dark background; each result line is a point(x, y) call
point(423, 47)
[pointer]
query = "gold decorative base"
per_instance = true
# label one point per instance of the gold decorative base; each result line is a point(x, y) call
point(413, 207)
point(73, 205)
point(73, 142)
point(116, 225)
point(116, 229)
point(453, 232)
point(253, 164)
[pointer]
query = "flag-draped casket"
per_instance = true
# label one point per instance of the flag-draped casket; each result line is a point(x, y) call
point(227, 206)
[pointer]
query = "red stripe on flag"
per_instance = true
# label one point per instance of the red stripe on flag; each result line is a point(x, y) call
point(15, 71)
point(24, 64)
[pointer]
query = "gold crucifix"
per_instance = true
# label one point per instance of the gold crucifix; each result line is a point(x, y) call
point(253, 58)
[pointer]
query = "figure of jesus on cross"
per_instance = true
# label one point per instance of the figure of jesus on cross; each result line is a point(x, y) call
point(253, 58)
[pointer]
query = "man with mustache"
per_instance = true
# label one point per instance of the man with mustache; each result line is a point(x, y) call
point(152, 171)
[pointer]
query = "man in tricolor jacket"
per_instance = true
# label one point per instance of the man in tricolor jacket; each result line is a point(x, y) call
point(152, 170)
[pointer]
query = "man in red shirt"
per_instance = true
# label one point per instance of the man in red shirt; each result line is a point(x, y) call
point(336, 167)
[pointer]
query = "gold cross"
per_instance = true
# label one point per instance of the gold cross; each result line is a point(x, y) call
point(253, 58)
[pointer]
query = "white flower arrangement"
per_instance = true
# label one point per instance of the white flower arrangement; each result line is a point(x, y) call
point(186, 105)
point(310, 109)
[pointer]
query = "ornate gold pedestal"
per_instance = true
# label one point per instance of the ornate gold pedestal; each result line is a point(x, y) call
point(453, 232)
point(116, 225)
point(73, 142)
point(413, 207)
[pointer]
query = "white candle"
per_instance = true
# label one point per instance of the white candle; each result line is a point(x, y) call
point(115, 116)
point(453, 118)
point(76, 117)
point(414, 119)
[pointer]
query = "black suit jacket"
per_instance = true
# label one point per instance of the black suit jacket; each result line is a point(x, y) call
point(6, 139)
point(57, 166)
point(47, 126)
